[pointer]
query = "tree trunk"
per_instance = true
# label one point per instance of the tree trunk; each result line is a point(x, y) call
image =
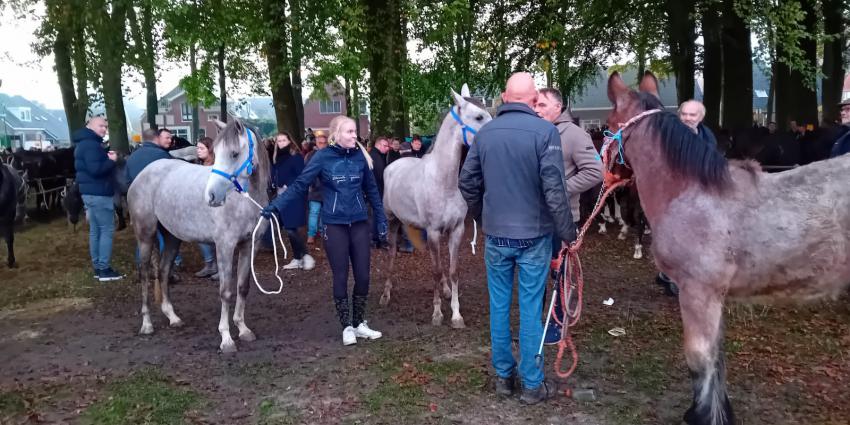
point(143, 39)
point(222, 88)
point(67, 31)
point(62, 57)
point(681, 36)
point(784, 92)
point(386, 48)
point(712, 66)
point(277, 57)
point(771, 94)
point(356, 99)
point(193, 68)
point(297, 57)
point(737, 70)
point(833, 59)
point(109, 32)
point(805, 101)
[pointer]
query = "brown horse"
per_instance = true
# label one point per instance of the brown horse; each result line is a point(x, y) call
point(710, 235)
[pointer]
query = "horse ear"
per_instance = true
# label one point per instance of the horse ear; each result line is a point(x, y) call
point(220, 124)
point(459, 100)
point(464, 91)
point(649, 84)
point(616, 87)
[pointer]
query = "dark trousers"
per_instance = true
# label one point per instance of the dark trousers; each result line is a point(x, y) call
point(344, 243)
point(299, 247)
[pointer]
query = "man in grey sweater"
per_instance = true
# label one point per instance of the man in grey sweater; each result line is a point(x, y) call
point(582, 169)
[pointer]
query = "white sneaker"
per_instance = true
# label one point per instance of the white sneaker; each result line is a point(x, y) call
point(295, 264)
point(308, 262)
point(349, 336)
point(363, 331)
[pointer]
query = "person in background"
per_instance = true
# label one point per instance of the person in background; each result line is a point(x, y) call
point(395, 150)
point(416, 150)
point(315, 194)
point(206, 157)
point(344, 170)
point(842, 142)
point(379, 155)
point(94, 167)
point(287, 165)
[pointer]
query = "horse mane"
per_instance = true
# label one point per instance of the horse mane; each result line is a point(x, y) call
point(475, 101)
point(688, 154)
point(230, 137)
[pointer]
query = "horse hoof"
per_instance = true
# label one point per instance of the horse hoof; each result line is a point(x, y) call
point(447, 293)
point(385, 299)
point(247, 336)
point(228, 348)
point(458, 323)
point(176, 324)
point(437, 321)
point(13, 265)
point(147, 329)
point(621, 236)
point(638, 256)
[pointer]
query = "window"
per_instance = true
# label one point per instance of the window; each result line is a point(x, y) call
point(590, 124)
point(328, 107)
point(186, 112)
point(180, 132)
point(364, 107)
point(212, 117)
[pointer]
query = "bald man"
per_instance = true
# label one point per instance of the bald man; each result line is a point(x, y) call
point(692, 112)
point(94, 167)
point(514, 177)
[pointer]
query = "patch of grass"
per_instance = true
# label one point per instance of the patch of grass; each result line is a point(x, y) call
point(393, 400)
point(456, 374)
point(12, 403)
point(626, 414)
point(54, 262)
point(646, 372)
point(270, 414)
point(146, 397)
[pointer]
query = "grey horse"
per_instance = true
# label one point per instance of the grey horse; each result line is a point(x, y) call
point(187, 203)
point(423, 193)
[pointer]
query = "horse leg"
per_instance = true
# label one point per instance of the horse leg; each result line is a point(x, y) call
point(702, 319)
point(444, 279)
point(454, 247)
point(9, 235)
point(437, 272)
point(224, 257)
point(172, 244)
point(392, 239)
point(145, 249)
point(243, 271)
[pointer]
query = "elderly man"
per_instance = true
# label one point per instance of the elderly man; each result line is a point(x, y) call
point(842, 143)
point(94, 167)
point(692, 112)
point(514, 174)
point(582, 168)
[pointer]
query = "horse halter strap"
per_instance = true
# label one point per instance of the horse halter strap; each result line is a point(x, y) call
point(465, 128)
point(618, 136)
point(247, 166)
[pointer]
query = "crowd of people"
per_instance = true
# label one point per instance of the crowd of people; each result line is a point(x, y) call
point(326, 183)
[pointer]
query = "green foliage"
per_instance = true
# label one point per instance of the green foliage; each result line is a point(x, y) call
point(146, 397)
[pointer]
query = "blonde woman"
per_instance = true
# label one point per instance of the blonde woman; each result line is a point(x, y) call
point(344, 171)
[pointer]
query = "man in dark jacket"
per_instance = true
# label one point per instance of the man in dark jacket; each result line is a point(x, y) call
point(379, 155)
point(94, 167)
point(514, 175)
point(842, 143)
point(154, 147)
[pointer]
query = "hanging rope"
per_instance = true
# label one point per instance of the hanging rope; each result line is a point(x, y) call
point(275, 228)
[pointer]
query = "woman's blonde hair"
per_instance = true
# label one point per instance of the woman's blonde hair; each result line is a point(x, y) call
point(336, 126)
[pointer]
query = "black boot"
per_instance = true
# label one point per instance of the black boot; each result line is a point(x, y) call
point(343, 311)
point(358, 309)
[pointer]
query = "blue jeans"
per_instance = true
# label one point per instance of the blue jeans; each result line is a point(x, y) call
point(314, 219)
point(533, 262)
point(101, 213)
point(207, 252)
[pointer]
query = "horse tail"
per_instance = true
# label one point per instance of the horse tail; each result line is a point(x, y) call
point(416, 238)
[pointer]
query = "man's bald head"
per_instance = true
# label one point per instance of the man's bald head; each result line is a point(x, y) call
point(520, 88)
point(98, 125)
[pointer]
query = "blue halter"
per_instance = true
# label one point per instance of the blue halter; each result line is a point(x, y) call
point(618, 137)
point(247, 166)
point(464, 127)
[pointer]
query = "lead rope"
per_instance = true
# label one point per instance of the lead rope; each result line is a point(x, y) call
point(474, 235)
point(275, 227)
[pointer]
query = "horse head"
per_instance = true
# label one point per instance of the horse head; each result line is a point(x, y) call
point(469, 114)
point(627, 104)
point(237, 152)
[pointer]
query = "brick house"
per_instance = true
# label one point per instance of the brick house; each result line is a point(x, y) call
point(319, 113)
point(175, 114)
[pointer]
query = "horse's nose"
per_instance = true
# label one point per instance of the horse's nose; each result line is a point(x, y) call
point(212, 198)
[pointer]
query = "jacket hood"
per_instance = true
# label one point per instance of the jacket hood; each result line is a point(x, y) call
point(85, 134)
point(565, 117)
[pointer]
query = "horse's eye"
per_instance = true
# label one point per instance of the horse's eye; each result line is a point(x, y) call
point(479, 118)
point(234, 155)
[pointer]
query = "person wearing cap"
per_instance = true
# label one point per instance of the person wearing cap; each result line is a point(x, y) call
point(842, 143)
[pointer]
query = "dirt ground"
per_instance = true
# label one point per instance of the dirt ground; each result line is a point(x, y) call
point(70, 352)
